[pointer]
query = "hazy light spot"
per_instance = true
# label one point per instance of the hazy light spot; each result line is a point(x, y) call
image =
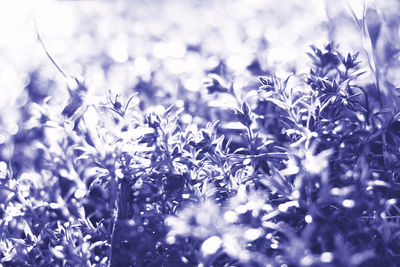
point(274, 246)
point(349, 173)
point(285, 206)
point(170, 240)
point(231, 245)
point(159, 109)
point(253, 234)
point(176, 49)
point(335, 191)
point(57, 251)
point(241, 209)
point(2, 138)
point(326, 257)
point(247, 161)
point(54, 205)
point(184, 260)
point(230, 216)
point(272, 34)
point(3, 169)
point(192, 84)
point(267, 207)
point(211, 245)
point(186, 118)
point(160, 50)
point(212, 62)
point(237, 62)
point(12, 129)
point(296, 194)
point(291, 168)
point(348, 203)
point(175, 66)
point(80, 193)
point(180, 103)
point(308, 219)
point(142, 67)
point(138, 183)
point(203, 218)
point(119, 173)
point(376, 175)
point(307, 261)
point(119, 49)
point(3, 166)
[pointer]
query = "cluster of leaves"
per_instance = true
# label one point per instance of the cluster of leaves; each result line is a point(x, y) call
point(310, 179)
point(329, 196)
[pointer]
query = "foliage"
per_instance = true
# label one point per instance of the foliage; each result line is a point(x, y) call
point(302, 170)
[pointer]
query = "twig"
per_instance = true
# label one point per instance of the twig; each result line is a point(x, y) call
point(47, 52)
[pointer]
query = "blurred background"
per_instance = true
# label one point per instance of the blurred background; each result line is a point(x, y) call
point(165, 50)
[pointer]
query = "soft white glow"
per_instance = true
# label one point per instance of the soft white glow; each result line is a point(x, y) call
point(308, 219)
point(326, 257)
point(119, 49)
point(230, 216)
point(211, 245)
point(3, 169)
point(253, 234)
point(348, 203)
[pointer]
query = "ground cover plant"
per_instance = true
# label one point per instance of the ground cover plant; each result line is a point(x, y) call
point(294, 169)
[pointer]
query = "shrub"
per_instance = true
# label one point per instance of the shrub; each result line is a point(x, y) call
point(303, 171)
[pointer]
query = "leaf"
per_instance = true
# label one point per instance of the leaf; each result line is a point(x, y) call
point(215, 85)
point(18, 241)
point(344, 86)
point(212, 126)
point(290, 124)
point(245, 108)
point(276, 182)
point(299, 100)
point(286, 81)
point(242, 118)
point(374, 25)
point(74, 103)
point(206, 136)
point(129, 100)
point(277, 102)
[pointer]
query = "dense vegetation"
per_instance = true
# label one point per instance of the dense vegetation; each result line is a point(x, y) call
point(299, 170)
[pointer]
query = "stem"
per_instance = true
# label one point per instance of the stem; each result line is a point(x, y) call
point(366, 103)
point(48, 54)
point(118, 255)
point(251, 139)
point(250, 133)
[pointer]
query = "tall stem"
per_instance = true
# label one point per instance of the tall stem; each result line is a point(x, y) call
point(118, 256)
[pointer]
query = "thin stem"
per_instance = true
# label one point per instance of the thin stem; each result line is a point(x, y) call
point(48, 54)
point(117, 256)
point(366, 103)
